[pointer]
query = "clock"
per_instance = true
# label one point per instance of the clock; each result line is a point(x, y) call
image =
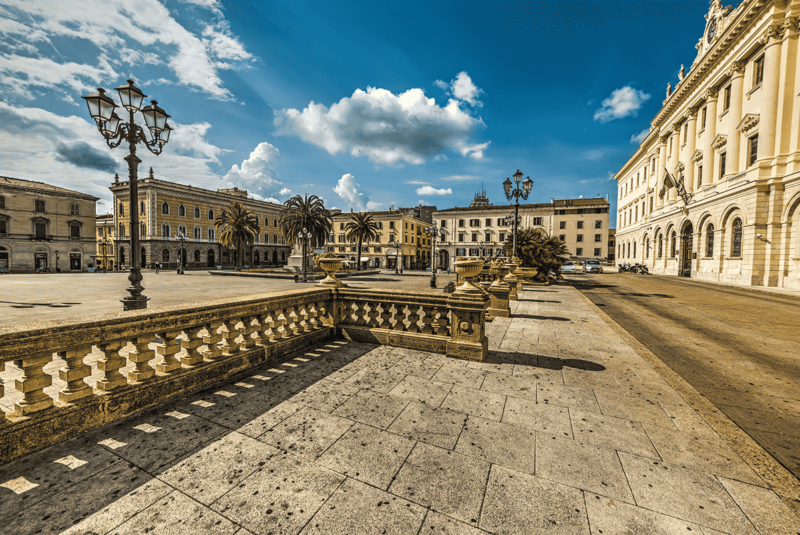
point(712, 28)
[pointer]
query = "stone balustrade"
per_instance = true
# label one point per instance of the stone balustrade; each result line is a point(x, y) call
point(117, 364)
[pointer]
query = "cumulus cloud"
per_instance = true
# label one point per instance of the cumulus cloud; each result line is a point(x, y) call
point(623, 102)
point(430, 190)
point(385, 127)
point(638, 138)
point(374, 205)
point(462, 88)
point(285, 191)
point(257, 173)
point(350, 191)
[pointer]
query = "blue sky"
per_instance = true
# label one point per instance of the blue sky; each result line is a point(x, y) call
point(365, 104)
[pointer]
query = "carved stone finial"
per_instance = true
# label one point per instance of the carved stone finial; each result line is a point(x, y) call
point(682, 73)
point(151, 173)
point(669, 89)
point(116, 178)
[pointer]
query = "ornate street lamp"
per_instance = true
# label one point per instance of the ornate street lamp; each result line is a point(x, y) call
point(116, 130)
point(516, 193)
point(304, 235)
point(396, 245)
point(181, 238)
point(102, 243)
point(435, 234)
point(483, 249)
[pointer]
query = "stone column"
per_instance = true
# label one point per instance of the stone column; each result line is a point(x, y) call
point(662, 163)
point(468, 324)
point(736, 72)
point(769, 100)
point(691, 138)
point(708, 136)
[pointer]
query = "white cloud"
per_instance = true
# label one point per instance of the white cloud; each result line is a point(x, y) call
point(257, 173)
point(638, 138)
point(623, 102)
point(473, 151)
point(459, 178)
point(20, 75)
point(385, 127)
point(463, 89)
point(374, 205)
point(349, 190)
point(430, 190)
point(285, 191)
point(415, 182)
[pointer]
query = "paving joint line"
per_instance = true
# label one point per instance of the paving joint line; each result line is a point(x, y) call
point(770, 470)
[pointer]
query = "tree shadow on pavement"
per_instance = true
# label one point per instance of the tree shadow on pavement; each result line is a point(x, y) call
point(542, 361)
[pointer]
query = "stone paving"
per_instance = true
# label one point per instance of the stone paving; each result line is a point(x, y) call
point(565, 430)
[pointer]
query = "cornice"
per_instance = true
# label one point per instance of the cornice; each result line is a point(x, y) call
point(748, 122)
point(697, 156)
point(719, 142)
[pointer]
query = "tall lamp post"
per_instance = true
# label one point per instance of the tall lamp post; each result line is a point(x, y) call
point(181, 238)
point(304, 235)
point(102, 243)
point(483, 248)
point(115, 131)
point(435, 234)
point(515, 194)
point(396, 245)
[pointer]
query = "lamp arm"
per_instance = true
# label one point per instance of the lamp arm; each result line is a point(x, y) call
point(152, 145)
point(113, 141)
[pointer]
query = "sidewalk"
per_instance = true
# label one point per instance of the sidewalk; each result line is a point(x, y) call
point(565, 430)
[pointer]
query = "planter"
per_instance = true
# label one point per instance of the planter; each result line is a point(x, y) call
point(331, 266)
point(467, 270)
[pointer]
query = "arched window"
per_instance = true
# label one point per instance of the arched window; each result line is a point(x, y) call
point(141, 207)
point(143, 230)
point(165, 256)
point(198, 234)
point(710, 240)
point(275, 221)
point(275, 238)
point(647, 248)
point(196, 255)
point(660, 246)
point(165, 230)
point(257, 221)
point(181, 211)
point(165, 209)
point(673, 243)
point(256, 258)
point(629, 249)
point(634, 249)
point(620, 251)
point(266, 239)
point(121, 210)
point(210, 234)
point(196, 212)
point(181, 230)
point(736, 249)
point(121, 232)
point(211, 215)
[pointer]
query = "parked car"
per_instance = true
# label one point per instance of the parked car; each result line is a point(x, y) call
point(572, 267)
point(593, 266)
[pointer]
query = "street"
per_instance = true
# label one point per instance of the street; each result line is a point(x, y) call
point(739, 348)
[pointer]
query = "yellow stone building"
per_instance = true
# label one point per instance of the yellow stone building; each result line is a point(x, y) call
point(713, 192)
point(44, 227)
point(105, 242)
point(168, 209)
point(413, 250)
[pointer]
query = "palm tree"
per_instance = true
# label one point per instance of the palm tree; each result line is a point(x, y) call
point(306, 213)
point(361, 228)
point(238, 227)
point(537, 249)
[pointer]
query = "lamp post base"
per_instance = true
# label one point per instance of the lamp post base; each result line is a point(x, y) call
point(135, 301)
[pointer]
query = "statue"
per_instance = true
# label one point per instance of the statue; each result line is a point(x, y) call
point(682, 73)
point(669, 89)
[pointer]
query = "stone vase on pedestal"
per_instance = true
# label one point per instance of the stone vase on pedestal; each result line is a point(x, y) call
point(467, 306)
point(331, 266)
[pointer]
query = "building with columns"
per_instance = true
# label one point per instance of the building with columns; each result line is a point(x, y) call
point(713, 191)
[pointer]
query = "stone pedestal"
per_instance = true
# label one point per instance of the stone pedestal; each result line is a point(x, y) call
point(511, 280)
point(467, 307)
point(498, 297)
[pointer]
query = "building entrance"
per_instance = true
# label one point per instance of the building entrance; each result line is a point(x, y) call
point(39, 261)
point(75, 262)
point(686, 251)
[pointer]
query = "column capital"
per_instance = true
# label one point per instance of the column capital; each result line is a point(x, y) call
point(790, 26)
point(691, 113)
point(712, 93)
point(771, 35)
point(735, 69)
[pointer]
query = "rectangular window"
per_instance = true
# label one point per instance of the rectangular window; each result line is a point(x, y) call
point(537, 221)
point(699, 176)
point(474, 237)
point(341, 249)
point(488, 221)
point(487, 237)
point(685, 132)
point(752, 153)
point(460, 237)
point(502, 236)
point(3, 227)
point(598, 224)
point(726, 98)
point(41, 230)
point(38, 206)
point(758, 71)
point(75, 231)
point(722, 164)
point(391, 237)
point(580, 224)
point(562, 237)
point(580, 238)
point(341, 238)
point(562, 224)
point(579, 251)
point(703, 119)
point(501, 222)
point(444, 224)
point(598, 237)
point(2, 203)
point(597, 252)
point(391, 224)
point(460, 222)
point(341, 226)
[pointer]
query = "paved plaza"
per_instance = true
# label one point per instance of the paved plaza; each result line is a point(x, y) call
point(564, 430)
point(45, 297)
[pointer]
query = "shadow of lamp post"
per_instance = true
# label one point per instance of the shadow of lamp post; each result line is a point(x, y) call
point(115, 131)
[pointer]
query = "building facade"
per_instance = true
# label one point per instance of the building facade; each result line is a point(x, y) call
point(167, 210)
point(713, 192)
point(104, 256)
point(482, 229)
point(44, 227)
point(612, 246)
point(411, 252)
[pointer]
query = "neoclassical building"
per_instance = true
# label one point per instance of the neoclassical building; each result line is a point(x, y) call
point(45, 227)
point(713, 191)
point(168, 209)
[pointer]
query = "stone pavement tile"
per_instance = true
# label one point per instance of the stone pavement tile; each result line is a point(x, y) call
point(536, 373)
point(778, 403)
point(307, 433)
point(685, 418)
point(610, 432)
point(347, 371)
point(567, 396)
point(460, 376)
point(551, 419)
point(280, 497)
point(359, 508)
point(269, 419)
point(618, 518)
point(521, 504)
point(701, 453)
point(476, 402)
point(783, 447)
point(241, 415)
point(581, 465)
point(509, 385)
point(121, 488)
point(368, 454)
point(439, 524)
point(176, 514)
point(494, 367)
point(589, 379)
point(372, 408)
point(43, 477)
point(422, 390)
point(324, 395)
point(656, 391)
point(499, 443)
point(377, 379)
point(439, 427)
point(417, 367)
point(767, 512)
point(736, 398)
point(444, 360)
point(449, 483)
point(215, 469)
point(686, 494)
point(769, 421)
point(632, 408)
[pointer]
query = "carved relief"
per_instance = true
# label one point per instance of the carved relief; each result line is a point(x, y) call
point(736, 68)
point(719, 142)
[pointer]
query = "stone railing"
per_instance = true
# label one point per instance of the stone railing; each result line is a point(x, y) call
point(113, 365)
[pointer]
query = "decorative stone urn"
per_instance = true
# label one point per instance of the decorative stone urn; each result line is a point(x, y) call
point(467, 270)
point(529, 273)
point(331, 266)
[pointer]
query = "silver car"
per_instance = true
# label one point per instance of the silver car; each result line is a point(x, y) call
point(593, 266)
point(571, 267)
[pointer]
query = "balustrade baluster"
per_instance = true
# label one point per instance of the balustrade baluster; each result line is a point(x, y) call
point(413, 318)
point(313, 312)
point(73, 374)
point(441, 321)
point(427, 320)
point(259, 335)
point(400, 318)
point(360, 312)
point(171, 347)
point(304, 325)
point(140, 356)
point(324, 314)
point(372, 315)
point(293, 324)
point(110, 364)
point(271, 327)
point(247, 331)
point(32, 384)
point(283, 330)
point(230, 332)
point(191, 355)
point(386, 316)
point(211, 339)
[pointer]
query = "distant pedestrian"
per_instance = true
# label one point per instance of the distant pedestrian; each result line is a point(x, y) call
point(158, 268)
